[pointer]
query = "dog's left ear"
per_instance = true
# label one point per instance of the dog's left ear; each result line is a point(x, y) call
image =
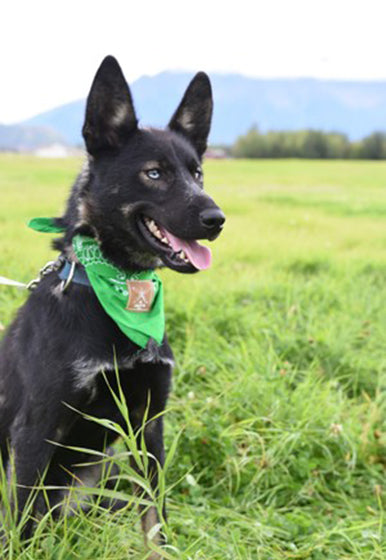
point(194, 113)
point(110, 115)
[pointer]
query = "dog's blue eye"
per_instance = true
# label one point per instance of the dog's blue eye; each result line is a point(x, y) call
point(153, 174)
point(198, 173)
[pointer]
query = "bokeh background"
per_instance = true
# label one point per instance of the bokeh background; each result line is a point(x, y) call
point(276, 426)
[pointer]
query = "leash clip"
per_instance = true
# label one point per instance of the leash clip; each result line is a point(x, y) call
point(51, 266)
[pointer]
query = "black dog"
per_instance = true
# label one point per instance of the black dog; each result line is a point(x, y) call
point(140, 195)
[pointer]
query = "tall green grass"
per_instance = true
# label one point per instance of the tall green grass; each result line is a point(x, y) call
point(279, 390)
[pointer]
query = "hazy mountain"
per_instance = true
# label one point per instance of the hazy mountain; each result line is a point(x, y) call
point(23, 138)
point(354, 108)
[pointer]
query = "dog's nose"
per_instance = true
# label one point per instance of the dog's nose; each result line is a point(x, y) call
point(212, 218)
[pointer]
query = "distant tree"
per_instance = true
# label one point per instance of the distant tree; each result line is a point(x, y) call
point(250, 145)
point(355, 150)
point(315, 145)
point(338, 146)
point(308, 144)
point(373, 146)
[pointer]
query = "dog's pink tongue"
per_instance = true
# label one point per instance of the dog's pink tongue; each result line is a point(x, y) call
point(199, 256)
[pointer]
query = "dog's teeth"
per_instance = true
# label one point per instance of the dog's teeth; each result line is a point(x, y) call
point(181, 254)
point(154, 229)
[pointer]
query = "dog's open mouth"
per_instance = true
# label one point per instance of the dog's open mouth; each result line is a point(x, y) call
point(184, 255)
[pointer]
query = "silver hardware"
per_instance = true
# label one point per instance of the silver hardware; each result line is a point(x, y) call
point(65, 283)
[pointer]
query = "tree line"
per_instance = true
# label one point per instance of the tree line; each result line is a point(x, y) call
point(308, 144)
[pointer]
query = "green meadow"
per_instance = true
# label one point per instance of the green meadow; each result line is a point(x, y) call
point(276, 426)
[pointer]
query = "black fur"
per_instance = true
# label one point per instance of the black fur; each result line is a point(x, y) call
point(55, 349)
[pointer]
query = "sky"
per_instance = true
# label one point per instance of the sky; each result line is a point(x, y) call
point(50, 49)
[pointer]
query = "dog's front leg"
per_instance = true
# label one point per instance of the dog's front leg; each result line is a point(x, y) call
point(153, 437)
point(148, 401)
point(31, 453)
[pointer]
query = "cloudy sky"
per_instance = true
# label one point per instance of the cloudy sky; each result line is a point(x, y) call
point(50, 50)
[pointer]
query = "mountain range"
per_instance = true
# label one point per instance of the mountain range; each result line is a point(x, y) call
point(26, 138)
point(354, 108)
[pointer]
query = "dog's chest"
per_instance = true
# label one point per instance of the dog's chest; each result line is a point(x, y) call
point(86, 369)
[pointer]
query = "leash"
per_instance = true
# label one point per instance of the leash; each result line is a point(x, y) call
point(50, 266)
point(8, 282)
point(68, 272)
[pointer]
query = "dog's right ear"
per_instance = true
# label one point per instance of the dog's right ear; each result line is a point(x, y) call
point(110, 115)
point(193, 115)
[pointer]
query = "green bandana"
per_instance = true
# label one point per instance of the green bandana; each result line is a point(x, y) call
point(134, 300)
point(45, 225)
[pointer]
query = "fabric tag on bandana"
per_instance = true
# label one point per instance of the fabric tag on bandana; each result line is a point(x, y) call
point(141, 294)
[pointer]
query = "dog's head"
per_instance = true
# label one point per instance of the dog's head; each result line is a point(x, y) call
point(142, 196)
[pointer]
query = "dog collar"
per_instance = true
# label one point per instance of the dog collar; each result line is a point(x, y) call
point(134, 300)
point(78, 275)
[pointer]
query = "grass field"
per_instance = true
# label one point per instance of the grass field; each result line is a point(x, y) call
point(279, 391)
